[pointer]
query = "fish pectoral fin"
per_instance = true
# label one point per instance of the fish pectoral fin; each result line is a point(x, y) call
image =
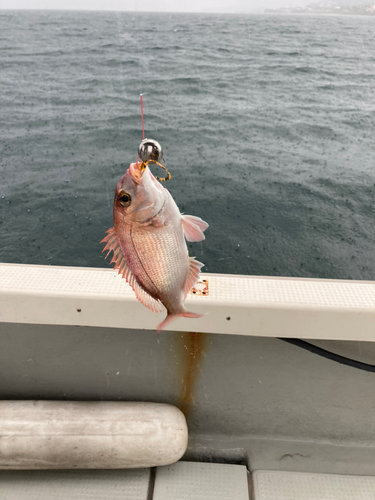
point(193, 227)
point(193, 276)
point(113, 245)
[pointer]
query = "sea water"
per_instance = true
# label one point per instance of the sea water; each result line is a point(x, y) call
point(267, 125)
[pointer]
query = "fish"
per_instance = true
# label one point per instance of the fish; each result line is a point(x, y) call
point(148, 241)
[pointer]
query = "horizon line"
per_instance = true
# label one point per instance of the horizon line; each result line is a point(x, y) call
point(132, 11)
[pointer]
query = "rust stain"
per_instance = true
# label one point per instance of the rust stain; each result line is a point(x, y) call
point(190, 350)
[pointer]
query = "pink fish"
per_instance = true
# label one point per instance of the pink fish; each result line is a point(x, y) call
point(148, 243)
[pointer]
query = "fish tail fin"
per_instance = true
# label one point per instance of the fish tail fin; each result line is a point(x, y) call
point(171, 317)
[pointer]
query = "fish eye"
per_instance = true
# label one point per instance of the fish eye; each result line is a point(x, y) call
point(124, 199)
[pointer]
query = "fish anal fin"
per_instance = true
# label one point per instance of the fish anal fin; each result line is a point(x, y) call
point(193, 276)
point(146, 299)
point(193, 227)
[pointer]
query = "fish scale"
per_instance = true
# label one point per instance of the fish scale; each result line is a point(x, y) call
point(164, 259)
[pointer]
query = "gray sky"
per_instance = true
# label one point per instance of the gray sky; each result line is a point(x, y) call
point(154, 5)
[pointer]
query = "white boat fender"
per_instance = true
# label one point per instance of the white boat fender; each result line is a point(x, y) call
point(90, 435)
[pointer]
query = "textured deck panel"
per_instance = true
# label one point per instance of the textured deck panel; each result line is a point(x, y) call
point(238, 289)
point(303, 486)
point(244, 305)
point(131, 484)
point(201, 481)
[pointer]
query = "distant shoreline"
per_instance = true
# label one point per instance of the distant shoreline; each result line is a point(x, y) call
point(302, 12)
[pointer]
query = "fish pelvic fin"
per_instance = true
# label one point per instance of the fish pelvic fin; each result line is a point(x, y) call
point(118, 258)
point(170, 317)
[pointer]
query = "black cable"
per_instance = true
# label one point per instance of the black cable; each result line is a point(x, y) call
point(330, 355)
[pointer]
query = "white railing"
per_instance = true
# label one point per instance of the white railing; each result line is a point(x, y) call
point(242, 305)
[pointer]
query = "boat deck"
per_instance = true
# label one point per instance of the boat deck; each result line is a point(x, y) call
point(79, 334)
point(183, 481)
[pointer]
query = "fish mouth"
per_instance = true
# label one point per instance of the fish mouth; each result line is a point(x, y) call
point(136, 172)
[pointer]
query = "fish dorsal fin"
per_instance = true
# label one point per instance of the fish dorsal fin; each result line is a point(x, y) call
point(193, 276)
point(193, 227)
point(113, 245)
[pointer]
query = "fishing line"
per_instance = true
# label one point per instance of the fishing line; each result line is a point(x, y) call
point(143, 125)
point(150, 151)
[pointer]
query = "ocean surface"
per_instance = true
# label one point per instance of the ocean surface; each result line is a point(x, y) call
point(267, 125)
